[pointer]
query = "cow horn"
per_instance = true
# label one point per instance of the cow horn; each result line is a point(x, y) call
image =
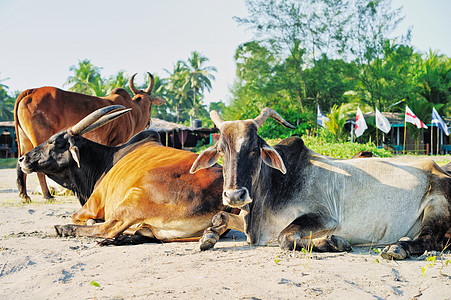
point(105, 119)
point(132, 85)
point(92, 117)
point(151, 84)
point(217, 120)
point(269, 112)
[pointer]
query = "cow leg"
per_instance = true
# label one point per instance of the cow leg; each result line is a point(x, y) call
point(44, 187)
point(222, 222)
point(22, 184)
point(298, 235)
point(140, 236)
point(108, 229)
point(93, 210)
point(436, 223)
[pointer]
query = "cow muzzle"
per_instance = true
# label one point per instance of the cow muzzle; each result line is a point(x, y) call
point(236, 197)
point(23, 166)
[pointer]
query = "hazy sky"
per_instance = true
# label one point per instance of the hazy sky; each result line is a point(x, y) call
point(41, 39)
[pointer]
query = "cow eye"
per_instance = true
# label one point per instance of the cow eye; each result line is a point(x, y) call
point(253, 150)
point(60, 143)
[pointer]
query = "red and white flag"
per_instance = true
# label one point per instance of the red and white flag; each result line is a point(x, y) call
point(360, 124)
point(412, 118)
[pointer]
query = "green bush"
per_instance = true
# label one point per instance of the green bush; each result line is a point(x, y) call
point(8, 163)
point(342, 150)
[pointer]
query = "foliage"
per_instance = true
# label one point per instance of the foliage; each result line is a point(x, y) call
point(301, 32)
point(183, 89)
point(85, 76)
point(320, 145)
point(300, 58)
point(434, 79)
point(197, 77)
point(6, 103)
point(8, 163)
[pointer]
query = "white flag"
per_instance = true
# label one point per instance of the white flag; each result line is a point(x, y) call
point(412, 118)
point(320, 118)
point(360, 124)
point(381, 122)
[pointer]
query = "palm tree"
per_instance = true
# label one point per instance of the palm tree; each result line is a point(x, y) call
point(197, 76)
point(338, 117)
point(176, 92)
point(120, 80)
point(434, 79)
point(6, 103)
point(86, 75)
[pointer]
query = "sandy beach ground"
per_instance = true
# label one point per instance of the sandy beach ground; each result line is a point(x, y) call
point(35, 264)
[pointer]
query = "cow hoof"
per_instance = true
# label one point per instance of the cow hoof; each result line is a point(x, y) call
point(394, 252)
point(340, 243)
point(25, 199)
point(49, 198)
point(65, 230)
point(405, 239)
point(90, 222)
point(208, 241)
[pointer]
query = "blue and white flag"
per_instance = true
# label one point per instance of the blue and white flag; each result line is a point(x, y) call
point(320, 118)
point(438, 121)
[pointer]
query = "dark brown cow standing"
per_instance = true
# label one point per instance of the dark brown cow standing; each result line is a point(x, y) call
point(42, 112)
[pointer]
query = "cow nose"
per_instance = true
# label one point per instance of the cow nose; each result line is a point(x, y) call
point(236, 197)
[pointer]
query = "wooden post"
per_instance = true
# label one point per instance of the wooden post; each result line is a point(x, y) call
point(405, 131)
point(432, 140)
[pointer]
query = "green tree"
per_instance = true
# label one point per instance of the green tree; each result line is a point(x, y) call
point(373, 22)
point(176, 95)
point(120, 80)
point(86, 78)
point(6, 103)
point(197, 77)
point(434, 80)
point(302, 31)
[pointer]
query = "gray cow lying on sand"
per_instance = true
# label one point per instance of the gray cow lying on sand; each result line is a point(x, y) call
point(289, 193)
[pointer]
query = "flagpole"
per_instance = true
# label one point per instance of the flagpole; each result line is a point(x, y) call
point(405, 130)
point(438, 133)
point(377, 137)
point(432, 139)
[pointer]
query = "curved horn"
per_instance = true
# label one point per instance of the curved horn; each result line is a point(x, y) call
point(105, 119)
point(269, 112)
point(151, 84)
point(92, 117)
point(217, 120)
point(132, 85)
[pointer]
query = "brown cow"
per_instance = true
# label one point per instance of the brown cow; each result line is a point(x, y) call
point(42, 112)
point(151, 187)
point(148, 184)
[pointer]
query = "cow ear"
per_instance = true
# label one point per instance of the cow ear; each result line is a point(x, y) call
point(272, 158)
point(158, 101)
point(206, 159)
point(75, 154)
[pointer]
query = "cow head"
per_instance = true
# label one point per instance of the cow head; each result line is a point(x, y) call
point(145, 95)
point(242, 152)
point(61, 151)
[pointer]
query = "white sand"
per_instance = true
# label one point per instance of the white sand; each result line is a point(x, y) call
point(34, 264)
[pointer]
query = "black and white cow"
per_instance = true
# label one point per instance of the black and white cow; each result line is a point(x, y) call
point(290, 193)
